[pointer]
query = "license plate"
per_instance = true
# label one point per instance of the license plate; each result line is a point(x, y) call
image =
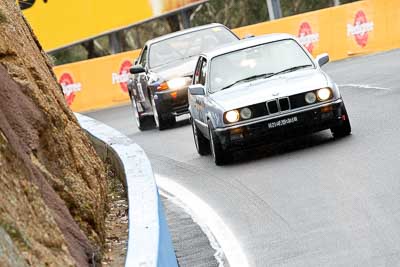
point(282, 122)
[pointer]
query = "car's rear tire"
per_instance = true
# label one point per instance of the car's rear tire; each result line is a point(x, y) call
point(219, 155)
point(344, 129)
point(201, 143)
point(161, 121)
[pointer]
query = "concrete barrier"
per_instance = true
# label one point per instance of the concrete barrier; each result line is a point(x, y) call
point(149, 241)
point(353, 29)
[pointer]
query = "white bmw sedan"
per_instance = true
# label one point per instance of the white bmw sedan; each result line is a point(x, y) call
point(261, 90)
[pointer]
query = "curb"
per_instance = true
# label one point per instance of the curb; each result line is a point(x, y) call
point(149, 240)
point(221, 238)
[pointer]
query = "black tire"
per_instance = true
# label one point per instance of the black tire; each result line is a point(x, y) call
point(201, 143)
point(344, 129)
point(162, 121)
point(220, 156)
point(142, 122)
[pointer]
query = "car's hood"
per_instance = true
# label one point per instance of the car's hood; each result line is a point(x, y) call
point(180, 68)
point(263, 90)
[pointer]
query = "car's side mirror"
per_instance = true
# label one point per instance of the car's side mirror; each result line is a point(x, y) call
point(137, 69)
point(135, 61)
point(322, 59)
point(197, 89)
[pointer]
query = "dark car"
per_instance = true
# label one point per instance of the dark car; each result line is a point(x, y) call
point(164, 70)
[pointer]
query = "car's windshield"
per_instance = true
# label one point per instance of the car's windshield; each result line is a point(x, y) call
point(260, 61)
point(188, 45)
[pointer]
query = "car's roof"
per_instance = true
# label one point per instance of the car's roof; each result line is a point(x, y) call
point(249, 42)
point(178, 33)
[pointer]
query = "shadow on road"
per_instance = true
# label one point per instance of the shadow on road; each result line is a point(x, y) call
point(149, 125)
point(289, 146)
point(181, 123)
point(178, 124)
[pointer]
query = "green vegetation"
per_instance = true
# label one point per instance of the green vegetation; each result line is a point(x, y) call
point(68, 55)
point(14, 233)
point(3, 17)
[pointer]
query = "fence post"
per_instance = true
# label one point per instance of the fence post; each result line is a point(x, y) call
point(274, 9)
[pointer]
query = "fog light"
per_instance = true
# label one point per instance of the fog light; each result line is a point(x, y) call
point(232, 116)
point(311, 98)
point(236, 131)
point(326, 109)
point(245, 113)
point(324, 94)
point(236, 134)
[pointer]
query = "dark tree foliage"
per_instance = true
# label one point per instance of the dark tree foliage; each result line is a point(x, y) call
point(293, 7)
point(238, 13)
point(232, 13)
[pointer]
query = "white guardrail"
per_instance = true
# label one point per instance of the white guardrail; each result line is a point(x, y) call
point(149, 241)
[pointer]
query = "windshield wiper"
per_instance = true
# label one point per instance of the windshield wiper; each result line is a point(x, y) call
point(291, 69)
point(190, 56)
point(177, 59)
point(168, 62)
point(254, 77)
point(267, 75)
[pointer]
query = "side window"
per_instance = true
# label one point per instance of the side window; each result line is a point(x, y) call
point(143, 57)
point(203, 72)
point(196, 76)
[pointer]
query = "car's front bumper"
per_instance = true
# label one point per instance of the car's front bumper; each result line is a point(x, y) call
point(271, 129)
point(172, 102)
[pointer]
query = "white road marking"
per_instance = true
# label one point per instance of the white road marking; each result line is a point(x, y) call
point(220, 236)
point(364, 86)
point(219, 254)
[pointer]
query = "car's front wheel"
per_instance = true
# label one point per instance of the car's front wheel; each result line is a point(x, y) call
point(220, 156)
point(142, 122)
point(344, 129)
point(162, 121)
point(202, 144)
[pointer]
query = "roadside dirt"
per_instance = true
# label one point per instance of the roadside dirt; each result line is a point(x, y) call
point(116, 222)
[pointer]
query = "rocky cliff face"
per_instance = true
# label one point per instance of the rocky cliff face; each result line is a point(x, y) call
point(52, 184)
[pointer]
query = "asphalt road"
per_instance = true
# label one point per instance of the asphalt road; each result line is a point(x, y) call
point(312, 201)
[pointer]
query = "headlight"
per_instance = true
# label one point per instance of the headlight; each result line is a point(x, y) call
point(324, 94)
point(179, 83)
point(232, 116)
point(311, 98)
point(245, 113)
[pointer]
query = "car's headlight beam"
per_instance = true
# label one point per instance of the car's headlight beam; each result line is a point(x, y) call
point(232, 116)
point(178, 83)
point(324, 94)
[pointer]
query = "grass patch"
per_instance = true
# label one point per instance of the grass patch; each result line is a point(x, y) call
point(14, 233)
point(3, 17)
